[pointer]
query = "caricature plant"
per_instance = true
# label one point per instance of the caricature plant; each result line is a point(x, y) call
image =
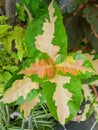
point(49, 74)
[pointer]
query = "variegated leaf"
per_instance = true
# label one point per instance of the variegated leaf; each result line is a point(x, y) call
point(96, 109)
point(43, 34)
point(61, 99)
point(27, 107)
point(85, 112)
point(73, 66)
point(87, 92)
point(44, 41)
point(92, 105)
point(92, 60)
point(19, 88)
point(43, 68)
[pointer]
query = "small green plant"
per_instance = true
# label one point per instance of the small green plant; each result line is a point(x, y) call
point(47, 73)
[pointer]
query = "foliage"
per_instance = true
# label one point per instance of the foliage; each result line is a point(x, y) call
point(10, 118)
point(80, 18)
point(11, 50)
point(47, 73)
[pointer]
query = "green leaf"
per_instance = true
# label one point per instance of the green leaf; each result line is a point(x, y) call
point(63, 97)
point(16, 33)
point(3, 19)
point(47, 25)
point(36, 7)
point(4, 30)
point(6, 76)
point(20, 49)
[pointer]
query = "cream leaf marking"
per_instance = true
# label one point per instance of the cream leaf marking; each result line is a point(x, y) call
point(44, 42)
point(61, 97)
point(19, 88)
point(27, 107)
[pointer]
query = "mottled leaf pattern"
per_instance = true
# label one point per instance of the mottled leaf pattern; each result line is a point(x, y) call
point(61, 97)
point(92, 60)
point(44, 42)
point(27, 107)
point(72, 66)
point(87, 93)
point(96, 109)
point(59, 78)
point(19, 88)
point(86, 110)
point(43, 68)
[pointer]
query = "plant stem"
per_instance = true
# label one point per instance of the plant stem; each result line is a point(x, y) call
point(93, 125)
point(64, 128)
point(30, 126)
point(23, 124)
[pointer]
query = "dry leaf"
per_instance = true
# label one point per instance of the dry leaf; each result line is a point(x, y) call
point(19, 88)
point(42, 68)
point(61, 97)
point(44, 41)
point(27, 107)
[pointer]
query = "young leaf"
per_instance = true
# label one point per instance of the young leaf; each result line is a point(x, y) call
point(73, 66)
point(27, 107)
point(19, 48)
point(62, 97)
point(4, 30)
point(43, 68)
point(93, 61)
point(19, 88)
point(16, 33)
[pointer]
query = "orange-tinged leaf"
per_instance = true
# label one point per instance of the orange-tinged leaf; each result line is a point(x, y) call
point(44, 41)
point(19, 88)
point(27, 107)
point(74, 67)
point(42, 68)
point(61, 97)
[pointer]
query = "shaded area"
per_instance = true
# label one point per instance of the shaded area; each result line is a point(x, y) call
point(86, 125)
